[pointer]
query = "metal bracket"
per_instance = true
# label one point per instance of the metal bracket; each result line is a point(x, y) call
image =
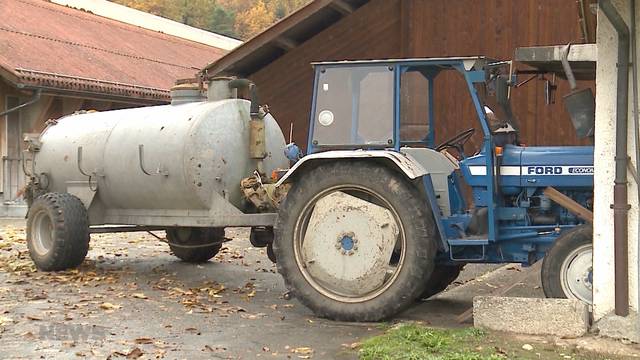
point(159, 171)
point(484, 254)
point(80, 163)
point(91, 175)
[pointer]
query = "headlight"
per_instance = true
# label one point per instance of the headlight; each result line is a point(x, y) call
point(325, 118)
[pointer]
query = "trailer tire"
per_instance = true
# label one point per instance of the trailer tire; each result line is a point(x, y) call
point(181, 239)
point(57, 232)
point(440, 279)
point(567, 267)
point(417, 237)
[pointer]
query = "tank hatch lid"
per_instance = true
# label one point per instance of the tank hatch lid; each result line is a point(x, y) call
point(186, 93)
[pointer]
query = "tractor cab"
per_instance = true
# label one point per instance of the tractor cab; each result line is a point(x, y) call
point(390, 104)
point(377, 201)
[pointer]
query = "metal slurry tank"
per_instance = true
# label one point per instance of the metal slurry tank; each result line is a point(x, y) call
point(156, 162)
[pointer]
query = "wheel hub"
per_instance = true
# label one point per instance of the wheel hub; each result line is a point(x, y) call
point(43, 233)
point(577, 274)
point(587, 278)
point(347, 244)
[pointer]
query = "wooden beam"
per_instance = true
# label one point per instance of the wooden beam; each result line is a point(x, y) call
point(286, 43)
point(225, 64)
point(569, 204)
point(343, 7)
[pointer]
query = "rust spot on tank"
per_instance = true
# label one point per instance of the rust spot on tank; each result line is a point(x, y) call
point(66, 158)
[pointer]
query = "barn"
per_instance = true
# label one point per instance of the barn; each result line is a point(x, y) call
point(278, 60)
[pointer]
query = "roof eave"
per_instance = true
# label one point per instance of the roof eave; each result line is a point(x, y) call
point(82, 87)
point(274, 35)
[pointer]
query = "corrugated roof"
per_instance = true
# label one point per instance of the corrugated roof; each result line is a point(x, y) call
point(145, 20)
point(283, 36)
point(48, 45)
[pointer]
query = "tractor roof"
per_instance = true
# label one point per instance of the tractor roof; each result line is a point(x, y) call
point(469, 62)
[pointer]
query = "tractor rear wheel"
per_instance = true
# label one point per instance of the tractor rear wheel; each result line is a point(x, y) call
point(441, 277)
point(57, 232)
point(354, 241)
point(567, 269)
point(195, 245)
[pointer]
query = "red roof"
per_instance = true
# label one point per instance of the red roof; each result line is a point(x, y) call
point(45, 45)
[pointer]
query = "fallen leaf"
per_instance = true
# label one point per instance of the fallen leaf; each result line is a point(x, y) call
point(303, 350)
point(5, 320)
point(135, 353)
point(144, 340)
point(139, 296)
point(527, 347)
point(109, 306)
point(253, 316)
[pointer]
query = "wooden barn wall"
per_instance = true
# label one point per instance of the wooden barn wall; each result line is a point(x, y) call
point(495, 28)
point(286, 84)
point(434, 28)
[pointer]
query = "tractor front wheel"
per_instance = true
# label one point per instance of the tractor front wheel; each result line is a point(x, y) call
point(354, 241)
point(567, 269)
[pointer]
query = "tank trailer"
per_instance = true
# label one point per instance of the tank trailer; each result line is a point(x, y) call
point(364, 224)
point(175, 167)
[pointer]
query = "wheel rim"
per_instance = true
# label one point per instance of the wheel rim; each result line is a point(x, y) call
point(335, 252)
point(42, 233)
point(577, 274)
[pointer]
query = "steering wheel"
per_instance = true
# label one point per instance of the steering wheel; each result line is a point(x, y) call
point(457, 142)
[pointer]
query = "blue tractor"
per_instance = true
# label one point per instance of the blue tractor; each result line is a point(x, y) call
point(374, 220)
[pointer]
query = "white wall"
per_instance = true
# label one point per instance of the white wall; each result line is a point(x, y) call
point(606, 95)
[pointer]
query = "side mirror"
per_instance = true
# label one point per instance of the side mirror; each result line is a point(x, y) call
point(502, 90)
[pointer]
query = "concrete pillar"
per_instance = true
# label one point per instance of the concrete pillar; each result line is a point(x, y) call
point(606, 94)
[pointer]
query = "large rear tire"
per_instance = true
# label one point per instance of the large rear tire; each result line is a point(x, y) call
point(441, 277)
point(567, 269)
point(337, 257)
point(57, 232)
point(189, 244)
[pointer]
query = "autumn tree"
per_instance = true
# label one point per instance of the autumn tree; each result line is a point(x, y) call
point(254, 20)
point(236, 18)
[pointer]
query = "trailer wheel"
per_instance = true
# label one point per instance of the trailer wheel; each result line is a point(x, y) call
point(354, 241)
point(187, 243)
point(567, 269)
point(441, 278)
point(57, 231)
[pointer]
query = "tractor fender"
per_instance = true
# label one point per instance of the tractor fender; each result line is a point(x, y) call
point(405, 163)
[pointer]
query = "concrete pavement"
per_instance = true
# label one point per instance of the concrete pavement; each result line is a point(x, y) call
point(132, 297)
